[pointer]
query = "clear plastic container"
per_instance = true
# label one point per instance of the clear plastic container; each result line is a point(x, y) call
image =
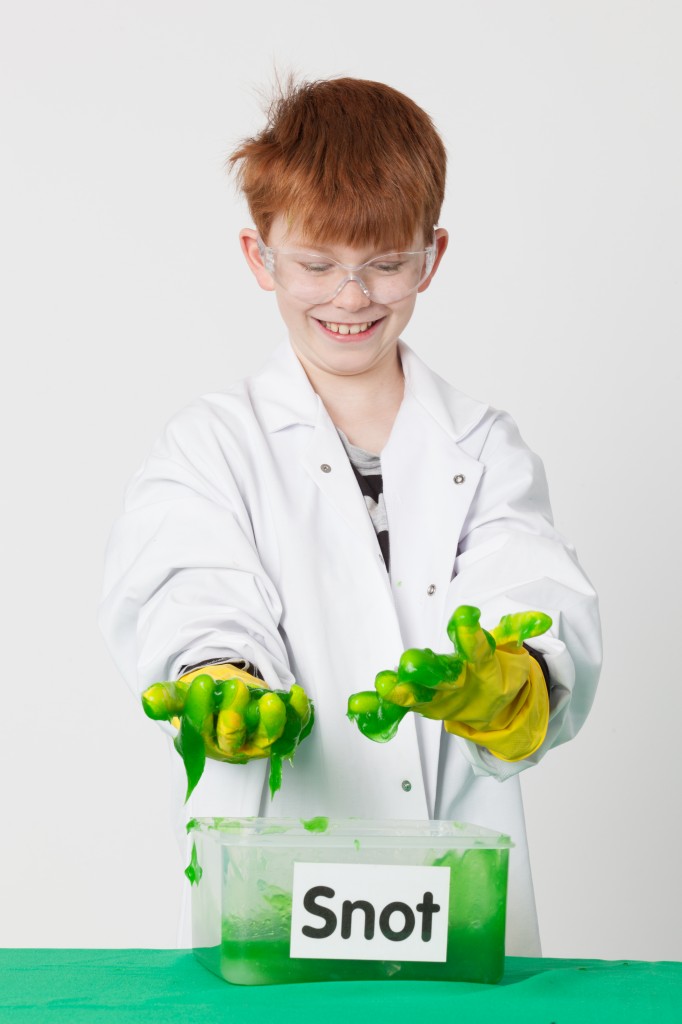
point(359, 892)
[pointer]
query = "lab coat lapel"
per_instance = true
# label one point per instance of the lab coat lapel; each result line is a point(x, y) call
point(326, 462)
point(285, 397)
point(429, 485)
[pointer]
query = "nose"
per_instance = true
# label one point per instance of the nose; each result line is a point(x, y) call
point(351, 296)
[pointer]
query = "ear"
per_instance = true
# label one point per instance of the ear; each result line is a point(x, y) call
point(248, 239)
point(442, 239)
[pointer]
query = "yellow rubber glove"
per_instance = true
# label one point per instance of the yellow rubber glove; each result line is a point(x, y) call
point(491, 691)
point(226, 714)
point(509, 710)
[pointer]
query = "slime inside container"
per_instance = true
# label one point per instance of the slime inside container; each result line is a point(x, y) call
point(250, 905)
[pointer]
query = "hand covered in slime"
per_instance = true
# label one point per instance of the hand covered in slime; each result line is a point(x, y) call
point(229, 715)
point(490, 691)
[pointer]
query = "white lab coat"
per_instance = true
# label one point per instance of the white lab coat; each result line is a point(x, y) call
point(245, 535)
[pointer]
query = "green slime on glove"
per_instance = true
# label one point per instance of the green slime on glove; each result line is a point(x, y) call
point(226, 720)
point(431, 683)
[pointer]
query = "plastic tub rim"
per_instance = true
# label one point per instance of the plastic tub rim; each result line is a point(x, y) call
point(271, 831)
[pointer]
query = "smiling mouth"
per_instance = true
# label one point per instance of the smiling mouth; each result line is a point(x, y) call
point(345, 329)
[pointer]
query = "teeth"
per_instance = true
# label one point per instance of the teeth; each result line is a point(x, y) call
point(347, 328)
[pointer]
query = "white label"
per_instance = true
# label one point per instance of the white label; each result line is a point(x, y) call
point(370, 912)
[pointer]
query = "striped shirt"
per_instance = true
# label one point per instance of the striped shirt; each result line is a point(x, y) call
point(367, 469)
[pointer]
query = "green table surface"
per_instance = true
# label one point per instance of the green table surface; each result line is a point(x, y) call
point(169, 986)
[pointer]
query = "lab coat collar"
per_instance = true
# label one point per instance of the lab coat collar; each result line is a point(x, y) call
point(289, 397)
point(454, 412)
point(286, 393)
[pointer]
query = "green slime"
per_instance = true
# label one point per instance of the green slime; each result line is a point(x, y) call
point(252, 722)
point(194, 871)
point(424, 677)
point(315, 824)
point(256, 952)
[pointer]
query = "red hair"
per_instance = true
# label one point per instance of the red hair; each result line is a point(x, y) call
point(348, 161)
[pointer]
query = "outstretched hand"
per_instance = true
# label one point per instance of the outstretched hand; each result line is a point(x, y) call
point(490, 690)
point(229, 715)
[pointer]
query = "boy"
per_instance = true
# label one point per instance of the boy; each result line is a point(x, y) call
point(322, 516)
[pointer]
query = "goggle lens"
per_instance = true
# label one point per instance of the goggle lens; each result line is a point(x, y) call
point(317, 279)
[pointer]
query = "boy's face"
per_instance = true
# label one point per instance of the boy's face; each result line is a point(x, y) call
point(314, 328)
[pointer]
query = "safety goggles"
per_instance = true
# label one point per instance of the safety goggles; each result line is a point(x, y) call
point(317, 279)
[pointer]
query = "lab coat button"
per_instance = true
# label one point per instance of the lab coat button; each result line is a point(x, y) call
point(407, 785)
point(459, 479)
point(431, 589)
point(325, 468)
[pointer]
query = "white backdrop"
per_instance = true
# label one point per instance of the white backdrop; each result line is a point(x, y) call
point(125, 296)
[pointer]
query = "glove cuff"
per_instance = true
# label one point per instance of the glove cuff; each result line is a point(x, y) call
point(224, 670)
point(525, 727)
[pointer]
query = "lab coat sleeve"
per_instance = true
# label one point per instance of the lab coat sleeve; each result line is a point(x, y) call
point(511, 558)
point(184, 583)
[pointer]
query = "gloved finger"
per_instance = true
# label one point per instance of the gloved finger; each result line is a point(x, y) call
point(164, 701)
point(271, 722)
point(287, 742)
point(520, 626)
point(199, 703)
point(203, 700)
point(384, 683)
point(426, 669)
point(375, 717)
point(231, 726)
point(473, 644)
point(425, 682)
point(300, 702)
point(300, 715)
point(308, 727)
point(406, 694)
